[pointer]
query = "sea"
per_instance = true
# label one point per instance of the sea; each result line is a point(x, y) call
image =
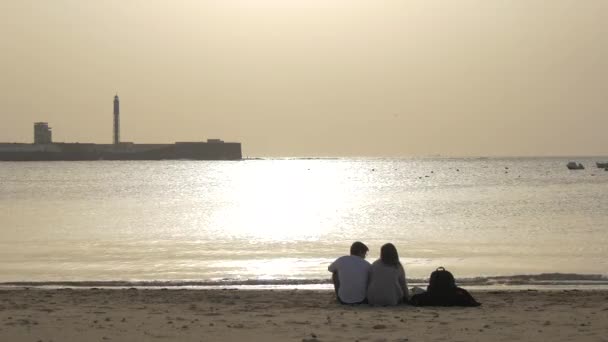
point(500, 222)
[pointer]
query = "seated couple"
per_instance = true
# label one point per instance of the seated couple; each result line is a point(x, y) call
point(358, 282)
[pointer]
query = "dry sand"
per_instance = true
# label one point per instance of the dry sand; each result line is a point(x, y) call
point(293, 315)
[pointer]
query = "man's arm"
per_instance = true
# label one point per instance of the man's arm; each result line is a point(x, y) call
point(336, 280)
point(333, 267)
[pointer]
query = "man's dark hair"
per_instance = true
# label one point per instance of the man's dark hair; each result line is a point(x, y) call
point(358, 248)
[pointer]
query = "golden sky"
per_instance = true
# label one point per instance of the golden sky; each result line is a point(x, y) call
point(312, 77)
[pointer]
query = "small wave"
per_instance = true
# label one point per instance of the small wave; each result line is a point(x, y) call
point(534, 280)
point(539, 279)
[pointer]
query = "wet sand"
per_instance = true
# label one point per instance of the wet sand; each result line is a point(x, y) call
point(293, 315)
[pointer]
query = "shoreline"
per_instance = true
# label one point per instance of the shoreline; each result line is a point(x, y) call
point(544, 281)
point(310, 287)
point(293, 315)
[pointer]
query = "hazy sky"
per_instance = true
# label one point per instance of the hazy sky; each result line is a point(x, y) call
point(312, 77)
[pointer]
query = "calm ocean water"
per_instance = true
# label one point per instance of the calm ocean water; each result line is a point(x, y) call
point(278, 220)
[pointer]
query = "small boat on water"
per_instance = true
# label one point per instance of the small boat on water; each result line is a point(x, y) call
point(602, 165)
point(575, 166)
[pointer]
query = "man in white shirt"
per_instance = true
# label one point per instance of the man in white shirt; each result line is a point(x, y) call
point(350, 275)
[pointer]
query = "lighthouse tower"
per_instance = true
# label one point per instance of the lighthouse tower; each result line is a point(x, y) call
point(116, 120)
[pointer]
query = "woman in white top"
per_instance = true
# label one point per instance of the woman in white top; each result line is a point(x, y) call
point(387, 285)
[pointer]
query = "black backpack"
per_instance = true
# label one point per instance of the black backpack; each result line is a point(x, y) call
point(442, 291)
point(441, 282)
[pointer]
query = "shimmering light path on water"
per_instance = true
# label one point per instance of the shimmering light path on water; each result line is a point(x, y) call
point(281, 219)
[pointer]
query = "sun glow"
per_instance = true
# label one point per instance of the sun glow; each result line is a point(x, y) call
point(283, 201)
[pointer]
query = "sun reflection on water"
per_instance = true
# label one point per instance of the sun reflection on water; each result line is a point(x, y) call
point(268, 269)
point(283, 201)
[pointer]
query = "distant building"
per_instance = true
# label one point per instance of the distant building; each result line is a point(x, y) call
point(42, 133)
point(116, 120)
point(43, 148)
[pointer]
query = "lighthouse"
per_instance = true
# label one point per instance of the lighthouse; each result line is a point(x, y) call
point(116, 120)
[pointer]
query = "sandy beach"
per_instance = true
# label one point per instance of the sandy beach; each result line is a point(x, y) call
point(292, 315)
